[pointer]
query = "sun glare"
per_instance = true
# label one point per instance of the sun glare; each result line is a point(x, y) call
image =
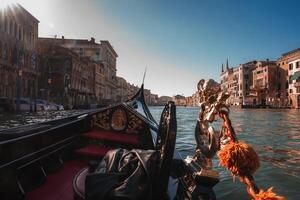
point(5, 3)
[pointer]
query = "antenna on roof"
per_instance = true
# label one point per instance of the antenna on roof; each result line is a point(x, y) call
point(144, 75)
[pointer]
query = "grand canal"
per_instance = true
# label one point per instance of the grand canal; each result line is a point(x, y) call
point(275, 134)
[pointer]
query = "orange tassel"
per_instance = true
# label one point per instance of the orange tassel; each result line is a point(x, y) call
point(268, 195)
point(240, 158)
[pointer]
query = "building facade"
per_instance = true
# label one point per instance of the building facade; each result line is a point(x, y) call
point(163, 100)
point(105, 58)
point(18, 63)
point(66, 78)
point(122, 90)
point(256, 83)
point(153, 99)
point(237, 81)
point(289, 87)
point(179, 100)
point(294, 83)
point(283, 64)
point(264, 89)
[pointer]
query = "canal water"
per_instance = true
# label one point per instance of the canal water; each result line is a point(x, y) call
point(8, 120)
point(275, 135)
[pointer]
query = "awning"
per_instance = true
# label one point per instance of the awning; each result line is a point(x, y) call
point(296, 76)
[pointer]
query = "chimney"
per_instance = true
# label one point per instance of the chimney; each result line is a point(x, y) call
point(92, 40)
point(63, 37)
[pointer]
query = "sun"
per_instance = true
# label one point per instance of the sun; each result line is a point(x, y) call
point(6, 3)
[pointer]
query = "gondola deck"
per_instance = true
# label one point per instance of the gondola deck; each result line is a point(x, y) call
point(59, 185)
point(45, 163)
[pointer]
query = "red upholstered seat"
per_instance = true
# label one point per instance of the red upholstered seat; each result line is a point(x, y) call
point(93, 151)
point(123, 138)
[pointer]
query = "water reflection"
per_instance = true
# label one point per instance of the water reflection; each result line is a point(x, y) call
point(275, 135)
point(8, 120)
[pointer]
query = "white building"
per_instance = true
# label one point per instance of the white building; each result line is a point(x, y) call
point(294, 83)
point(237, 81)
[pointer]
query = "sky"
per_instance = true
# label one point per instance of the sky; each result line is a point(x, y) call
point(178, 41)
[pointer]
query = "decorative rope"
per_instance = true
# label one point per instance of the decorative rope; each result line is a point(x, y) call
point(242, 161)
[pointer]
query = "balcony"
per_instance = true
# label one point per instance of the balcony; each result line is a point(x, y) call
point(297, 84)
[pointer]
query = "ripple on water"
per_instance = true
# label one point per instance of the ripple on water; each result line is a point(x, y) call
point(274, 134)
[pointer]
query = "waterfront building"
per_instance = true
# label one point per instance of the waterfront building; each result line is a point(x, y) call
point(189, 101)
point(99, 81)
point(147, 95)
point(122, 90)
point(265, 86)
point(126, 90)
point(131, 90)
point(163, 100)
point(288, 63)
point(195, 98)
point(153, 99)
point(255, 83)
point(283, 63)
point(18, 66)
point(229, 83)
point(66, 78)
point(179, 100)
point(103, 54)
point(294, 81)
point(236, 81)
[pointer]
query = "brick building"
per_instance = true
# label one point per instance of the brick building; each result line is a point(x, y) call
point(18, 66)
point(103, 55)
point(294, 78)
point(163, 100)
point(237, 82)
point(66, 78)
point(265, 86)
point(131, 90)
point(256, 83)
point(122, 90)
point(179, 100)
point(283, 64)
point(153, 99)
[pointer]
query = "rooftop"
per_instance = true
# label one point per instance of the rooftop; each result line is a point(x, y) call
point(291, 52)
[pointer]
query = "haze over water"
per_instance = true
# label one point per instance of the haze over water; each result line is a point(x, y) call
point(275, 135)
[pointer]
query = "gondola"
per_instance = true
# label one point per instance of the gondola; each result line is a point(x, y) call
point(66, 158)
